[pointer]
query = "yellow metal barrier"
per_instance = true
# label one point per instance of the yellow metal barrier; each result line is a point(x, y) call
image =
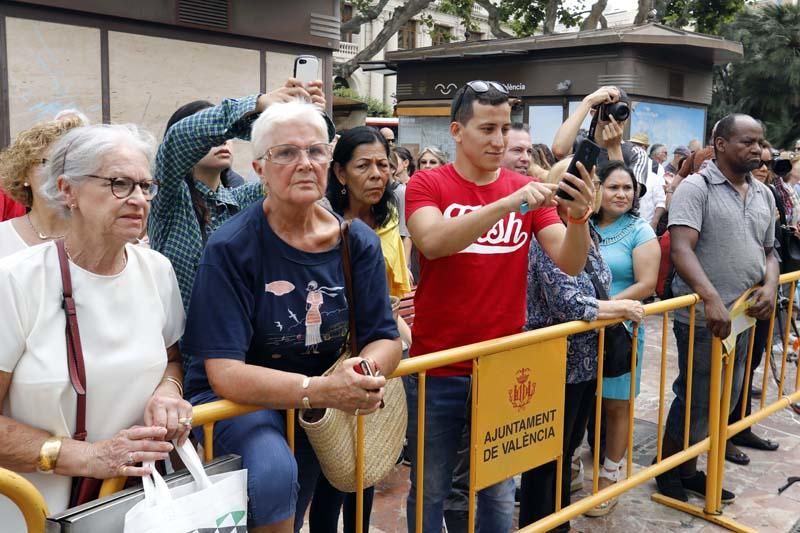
point(25, 496)
point(714, 444)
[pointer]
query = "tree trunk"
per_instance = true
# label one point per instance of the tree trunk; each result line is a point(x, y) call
point(661, 9)
point(550, 16)
point(494, 19)
point(400, 16)
point(595, 16)
point(644, 10)
point(362, 17)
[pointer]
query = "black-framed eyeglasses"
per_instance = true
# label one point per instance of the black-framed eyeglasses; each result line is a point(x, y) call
point(286, 154)
point(480, 87)
point(767, 163)
point(123, 187)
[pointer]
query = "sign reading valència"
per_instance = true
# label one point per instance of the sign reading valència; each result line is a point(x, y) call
point(449, 88)
point(518, 416)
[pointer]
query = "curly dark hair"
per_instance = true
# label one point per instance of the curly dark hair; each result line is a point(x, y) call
point(342, 154)
point(603, 174)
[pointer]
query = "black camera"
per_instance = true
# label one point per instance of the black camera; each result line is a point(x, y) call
point(781, 167)
point(620, 110)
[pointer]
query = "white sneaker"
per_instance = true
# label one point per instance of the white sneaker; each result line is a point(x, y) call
point(576, 483)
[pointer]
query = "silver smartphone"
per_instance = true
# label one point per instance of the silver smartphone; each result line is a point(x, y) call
point(306, 68)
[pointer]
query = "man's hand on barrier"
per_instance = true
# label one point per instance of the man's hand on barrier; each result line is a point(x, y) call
point(763, 302)
point(718, 320)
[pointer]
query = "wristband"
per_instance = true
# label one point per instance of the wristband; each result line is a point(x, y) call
point(48, 455)
point(306, 401)
point(581, 220)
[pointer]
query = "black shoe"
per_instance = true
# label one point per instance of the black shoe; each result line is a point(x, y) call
point(751, 440)
point(697, 486)
point(669, 484)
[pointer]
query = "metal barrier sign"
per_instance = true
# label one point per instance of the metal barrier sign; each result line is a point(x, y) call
point(518, 417)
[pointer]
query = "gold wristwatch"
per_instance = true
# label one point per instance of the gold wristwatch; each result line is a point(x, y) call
point(48, 455)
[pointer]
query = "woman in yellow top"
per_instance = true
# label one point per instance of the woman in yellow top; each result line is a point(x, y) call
point(359, 186)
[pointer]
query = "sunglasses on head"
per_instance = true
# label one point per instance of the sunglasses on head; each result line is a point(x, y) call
point(479, 87)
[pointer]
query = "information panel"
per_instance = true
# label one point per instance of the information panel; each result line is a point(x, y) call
point(519, 417)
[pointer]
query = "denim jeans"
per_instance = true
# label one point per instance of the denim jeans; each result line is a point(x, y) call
point(701, 379)
point(279, 485)
point(447, 414)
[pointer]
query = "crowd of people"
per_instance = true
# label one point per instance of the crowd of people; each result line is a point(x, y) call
point(192, 285)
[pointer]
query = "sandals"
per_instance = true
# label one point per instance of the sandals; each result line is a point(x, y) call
point(611, 471)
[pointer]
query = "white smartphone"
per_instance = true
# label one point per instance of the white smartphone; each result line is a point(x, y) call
point(306, 68)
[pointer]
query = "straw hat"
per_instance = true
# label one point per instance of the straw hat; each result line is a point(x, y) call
point(640, 138)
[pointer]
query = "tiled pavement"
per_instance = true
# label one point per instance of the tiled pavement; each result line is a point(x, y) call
point(757, 505)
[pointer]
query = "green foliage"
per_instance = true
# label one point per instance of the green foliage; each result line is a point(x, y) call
point(461, 9)
point(707, 16)
point(375, 107)
point(766, 83)
point(523, 17)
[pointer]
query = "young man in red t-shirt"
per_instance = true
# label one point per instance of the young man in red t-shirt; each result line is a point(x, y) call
point(465, 220)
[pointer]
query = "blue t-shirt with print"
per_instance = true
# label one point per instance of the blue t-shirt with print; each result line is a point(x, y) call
point(261, 301)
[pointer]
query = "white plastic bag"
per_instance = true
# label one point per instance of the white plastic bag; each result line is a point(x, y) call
point(207, 505)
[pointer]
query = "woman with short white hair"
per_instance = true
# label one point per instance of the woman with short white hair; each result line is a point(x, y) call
point(268, 316)
point(129, 315)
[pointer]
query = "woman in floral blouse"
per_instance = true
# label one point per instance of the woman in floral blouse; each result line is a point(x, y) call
point(553, 298)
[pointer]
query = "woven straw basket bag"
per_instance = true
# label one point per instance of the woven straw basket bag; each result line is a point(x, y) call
point(333, 438)
point(333, 435)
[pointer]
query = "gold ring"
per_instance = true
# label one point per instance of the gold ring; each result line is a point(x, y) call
point(357, 410)
point(366, 398)
point(186, 421)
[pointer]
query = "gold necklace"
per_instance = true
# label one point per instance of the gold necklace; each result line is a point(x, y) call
point(38, 233)
point(124, 257)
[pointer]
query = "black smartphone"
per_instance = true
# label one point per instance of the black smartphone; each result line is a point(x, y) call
point(587, 154)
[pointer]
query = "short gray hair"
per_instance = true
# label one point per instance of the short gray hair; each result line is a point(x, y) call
point(82, 150)
point(281, 114)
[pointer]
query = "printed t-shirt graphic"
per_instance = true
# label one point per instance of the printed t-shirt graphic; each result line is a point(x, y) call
point(269, 304)
point(478, 293)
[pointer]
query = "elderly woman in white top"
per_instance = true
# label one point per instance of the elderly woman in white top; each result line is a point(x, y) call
point(129, 314)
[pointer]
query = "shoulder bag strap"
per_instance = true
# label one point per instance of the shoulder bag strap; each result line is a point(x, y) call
point(598, 286)
point(77, 371)
point(347, 266)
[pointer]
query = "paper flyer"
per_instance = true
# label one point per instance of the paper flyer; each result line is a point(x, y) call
point(740, 321)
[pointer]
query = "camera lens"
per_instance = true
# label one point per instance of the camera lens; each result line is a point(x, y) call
point(620, 111)
point(303, 61)
point(781, 167)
